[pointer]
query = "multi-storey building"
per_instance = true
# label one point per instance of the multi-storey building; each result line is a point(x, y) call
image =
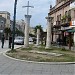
point(11, 25)
point(2, 25)
point(6, 15)
point(62, 15)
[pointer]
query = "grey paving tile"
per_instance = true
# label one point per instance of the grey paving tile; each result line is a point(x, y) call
point(13, 67)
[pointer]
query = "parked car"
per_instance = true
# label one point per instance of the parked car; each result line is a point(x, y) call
point(19, 40)
point(30, 40)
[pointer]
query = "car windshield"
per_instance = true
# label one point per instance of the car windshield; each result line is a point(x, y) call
point(20, 38)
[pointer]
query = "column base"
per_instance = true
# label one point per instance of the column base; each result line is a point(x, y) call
point(25, 46)
point(36, 45)
point(48, 48)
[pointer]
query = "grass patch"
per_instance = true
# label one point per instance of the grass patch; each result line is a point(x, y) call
point(12, 51)
point(25, 54)
point(26, 48)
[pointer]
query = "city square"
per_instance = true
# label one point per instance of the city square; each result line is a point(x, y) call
point(37, 37)
point(9, 66)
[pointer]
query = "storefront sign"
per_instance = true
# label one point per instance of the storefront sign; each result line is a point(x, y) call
point(72, 23)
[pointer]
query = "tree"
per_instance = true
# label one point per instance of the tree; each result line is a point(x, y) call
point(41, 32)
point(19, 33)
point(7, 31)
point(38, 27)
point(66, 18)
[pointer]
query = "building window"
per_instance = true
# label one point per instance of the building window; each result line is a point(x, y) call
point(57, 18)
point(8, 17)
point(60, 17)
point(74, 13)
point(69, 12)
point(66, 13)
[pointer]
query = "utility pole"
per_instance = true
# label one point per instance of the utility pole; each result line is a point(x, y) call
point(14, 20)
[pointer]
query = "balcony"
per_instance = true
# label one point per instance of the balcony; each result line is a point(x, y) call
point(65, 21)
point(57, 25)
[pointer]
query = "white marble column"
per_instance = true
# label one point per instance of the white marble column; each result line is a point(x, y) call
point(74, 39)
point(48, 41)
point(38, 37)
point(26, 39)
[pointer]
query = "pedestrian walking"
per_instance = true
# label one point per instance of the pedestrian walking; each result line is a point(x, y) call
point(10, 41)
point(2, 40)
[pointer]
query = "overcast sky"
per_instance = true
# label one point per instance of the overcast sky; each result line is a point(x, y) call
point(39, 12)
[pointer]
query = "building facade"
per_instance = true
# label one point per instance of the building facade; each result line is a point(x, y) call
point(6, 15)
point(2, 25)
point(62, 16)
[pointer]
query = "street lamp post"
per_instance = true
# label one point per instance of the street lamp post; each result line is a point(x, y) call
point(14, 20)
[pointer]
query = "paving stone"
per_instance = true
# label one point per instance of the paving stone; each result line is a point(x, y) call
point(13, 67)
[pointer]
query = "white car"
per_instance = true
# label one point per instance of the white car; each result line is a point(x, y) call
point(30, 40)
point(19, 40)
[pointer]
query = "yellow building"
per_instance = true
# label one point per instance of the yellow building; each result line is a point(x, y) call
point(6, 15)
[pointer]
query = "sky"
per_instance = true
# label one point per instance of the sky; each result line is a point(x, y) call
point(39, 12)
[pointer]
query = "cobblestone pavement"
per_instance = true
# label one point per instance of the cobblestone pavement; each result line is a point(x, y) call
point(15, 67)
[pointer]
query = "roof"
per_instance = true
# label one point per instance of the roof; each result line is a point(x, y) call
point(4, 12)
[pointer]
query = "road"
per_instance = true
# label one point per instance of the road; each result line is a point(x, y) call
point(15, 67)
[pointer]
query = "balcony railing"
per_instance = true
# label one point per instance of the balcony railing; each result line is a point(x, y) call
point(64, 21)
point(66, 18)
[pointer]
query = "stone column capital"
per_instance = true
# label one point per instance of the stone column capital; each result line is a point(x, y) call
point(49, 18)
point(28, 16)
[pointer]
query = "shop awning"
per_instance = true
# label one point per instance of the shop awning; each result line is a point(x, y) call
point(72, 30)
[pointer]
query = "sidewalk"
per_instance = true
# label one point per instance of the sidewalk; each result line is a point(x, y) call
point(6, 48)
point(66, 47)
point(72, 48)
point(16, 67)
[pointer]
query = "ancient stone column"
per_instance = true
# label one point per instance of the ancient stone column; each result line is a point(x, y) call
point(48, 41)
point(38, 37)
point(26, 39)
point(74, 38)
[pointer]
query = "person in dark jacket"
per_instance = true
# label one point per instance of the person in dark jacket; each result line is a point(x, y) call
point(2, 40)
point(10, 41)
